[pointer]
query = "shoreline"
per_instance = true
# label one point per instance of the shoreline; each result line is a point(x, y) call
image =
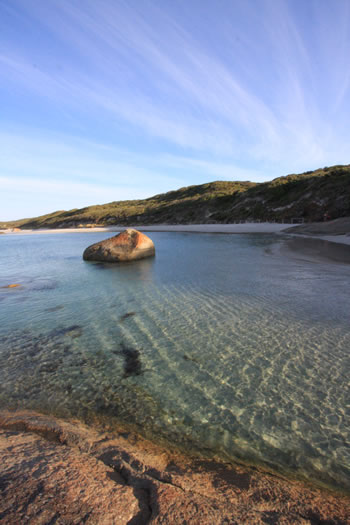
point(76, 470)
point(261, 227)
point(318, 248)
point(244, 228)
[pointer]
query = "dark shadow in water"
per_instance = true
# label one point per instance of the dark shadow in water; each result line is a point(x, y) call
point(54, 308)
point(43, 284)
point(73, 331)
point(189, 358)
point(99, 266)
point(126, 316)
point(132, 363)
point(140, 269)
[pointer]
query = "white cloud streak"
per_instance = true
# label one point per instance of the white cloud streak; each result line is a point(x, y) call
point(248, 88)
point(78, 173)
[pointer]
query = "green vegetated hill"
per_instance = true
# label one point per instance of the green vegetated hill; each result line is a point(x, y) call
point(308, 195)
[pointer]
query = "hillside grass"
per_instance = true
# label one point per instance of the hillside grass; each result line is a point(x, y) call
point(308, 195)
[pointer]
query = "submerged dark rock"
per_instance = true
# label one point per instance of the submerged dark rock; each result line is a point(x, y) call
point(43, 284)
point(132, 363)
point(54, 308)
point(189, 358)
point(73, 331)
point(126, 316)
point(100, 266)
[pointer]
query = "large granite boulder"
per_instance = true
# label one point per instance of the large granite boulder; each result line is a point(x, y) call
point(128, 245)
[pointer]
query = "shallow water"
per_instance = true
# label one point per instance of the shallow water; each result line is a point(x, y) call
point(221, 343)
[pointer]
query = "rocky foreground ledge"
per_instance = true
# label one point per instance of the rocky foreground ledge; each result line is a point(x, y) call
point(59, 472)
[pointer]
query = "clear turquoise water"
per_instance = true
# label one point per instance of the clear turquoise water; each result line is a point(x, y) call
point(221, 344)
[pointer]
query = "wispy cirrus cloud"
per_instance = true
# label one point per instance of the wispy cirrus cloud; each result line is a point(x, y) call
point(189, 96)
point(170, 86)
point(51, 170)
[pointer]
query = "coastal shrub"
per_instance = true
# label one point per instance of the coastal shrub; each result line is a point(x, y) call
point(220, 201)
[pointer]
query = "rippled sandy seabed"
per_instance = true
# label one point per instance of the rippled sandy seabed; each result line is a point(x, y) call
point(222, 344)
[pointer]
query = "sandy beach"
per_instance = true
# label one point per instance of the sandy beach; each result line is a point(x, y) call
point(262, 227)
point(302, 231)
point(340, 239)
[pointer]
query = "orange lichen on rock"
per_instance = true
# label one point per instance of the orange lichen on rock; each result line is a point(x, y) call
point(124, 238)
point(11, 286)
point(56, 471)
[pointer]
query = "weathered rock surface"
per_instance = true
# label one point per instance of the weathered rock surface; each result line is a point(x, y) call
point(60, 472)
point(128, 245)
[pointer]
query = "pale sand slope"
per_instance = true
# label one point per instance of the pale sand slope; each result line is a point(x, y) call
point(339, 226)
point(340, 239)
point(337, 230)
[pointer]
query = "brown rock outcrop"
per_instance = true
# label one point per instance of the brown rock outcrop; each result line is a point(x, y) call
point(128, 245)
point(54, 471)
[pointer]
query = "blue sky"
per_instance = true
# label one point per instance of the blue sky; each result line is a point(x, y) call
point(121, 99)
